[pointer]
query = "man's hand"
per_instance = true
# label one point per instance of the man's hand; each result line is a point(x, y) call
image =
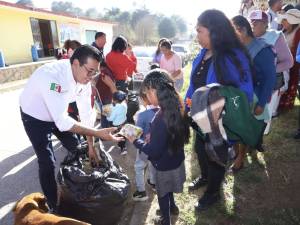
point(109, 82)
point(258, 110)
point(107, 134)
point(94, 160)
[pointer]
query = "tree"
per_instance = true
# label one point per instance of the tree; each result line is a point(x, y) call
point(180, 24)
point(166, 28)
point(124, 18)
point(66, 7)
point(112, 14)
point(145, 31)
point(137, 15)
point(27, 3)
point(92, 13)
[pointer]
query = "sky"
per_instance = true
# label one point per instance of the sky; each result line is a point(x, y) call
point(187, 9)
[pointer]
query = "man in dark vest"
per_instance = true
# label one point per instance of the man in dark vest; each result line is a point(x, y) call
point(100, 41)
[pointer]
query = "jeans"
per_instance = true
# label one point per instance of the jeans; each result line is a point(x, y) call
point(104, 122)
point(139, 166)
point(39, 133)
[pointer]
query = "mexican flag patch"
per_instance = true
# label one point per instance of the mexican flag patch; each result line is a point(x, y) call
point(55, 87)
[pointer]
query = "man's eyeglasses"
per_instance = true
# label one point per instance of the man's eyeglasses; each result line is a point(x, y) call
point(91, 73)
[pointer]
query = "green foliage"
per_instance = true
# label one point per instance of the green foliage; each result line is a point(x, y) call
point(27, 3)
point(140, 27)
point(167, 28)
point(179, 23)
point(66, 7)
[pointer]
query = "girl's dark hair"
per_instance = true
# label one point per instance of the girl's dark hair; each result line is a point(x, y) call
point(224, 43)
point(242, 23)
point(142, 93)
point(166, 43)
point(158, 45)
point(171, 106)
point(120, 44)
point(71, 44)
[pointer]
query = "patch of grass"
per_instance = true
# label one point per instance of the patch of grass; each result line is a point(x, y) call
point(256, 195)
point(186, 74)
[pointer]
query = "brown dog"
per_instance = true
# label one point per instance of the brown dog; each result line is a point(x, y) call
point(32, 210)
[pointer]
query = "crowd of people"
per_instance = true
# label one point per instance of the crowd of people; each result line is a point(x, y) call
point(257, 55)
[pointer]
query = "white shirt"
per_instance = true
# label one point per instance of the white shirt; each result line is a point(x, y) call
point(272, 19)
point(172, 64)
point(49, 91)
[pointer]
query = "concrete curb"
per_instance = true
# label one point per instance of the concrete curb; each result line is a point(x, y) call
point(10, 86)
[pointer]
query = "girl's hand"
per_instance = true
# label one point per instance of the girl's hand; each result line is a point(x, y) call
point(258, 110)
point(147, 138)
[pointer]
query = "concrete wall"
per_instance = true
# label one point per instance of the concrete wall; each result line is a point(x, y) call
point(19, 72)
point(15, 36)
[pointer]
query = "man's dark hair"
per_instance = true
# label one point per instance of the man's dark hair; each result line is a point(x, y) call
point(84, 52)
point(120, 44)
point(272, 2)
point(99, 34)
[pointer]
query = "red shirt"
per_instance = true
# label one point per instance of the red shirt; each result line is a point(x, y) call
point(120, 64)
point(133, 59)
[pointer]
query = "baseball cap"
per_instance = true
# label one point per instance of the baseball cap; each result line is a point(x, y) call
point(119, 96)
point(292, 16)
point(259, 15)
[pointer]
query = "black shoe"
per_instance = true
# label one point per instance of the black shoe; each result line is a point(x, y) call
point(260, 148)
point(123, 151)
point(297, 136)
point(206, 201)
point(139, 196)
point(173, 211)
point(197, 183)
point(159, 220)
point(151, 185)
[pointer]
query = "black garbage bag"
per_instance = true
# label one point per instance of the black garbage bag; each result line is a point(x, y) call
point(96, 195)
point(132, 106)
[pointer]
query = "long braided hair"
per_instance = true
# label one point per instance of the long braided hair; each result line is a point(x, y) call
point(171, 106)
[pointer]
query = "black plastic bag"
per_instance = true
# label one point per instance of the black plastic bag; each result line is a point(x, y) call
point(132, 107)
point(94, 195)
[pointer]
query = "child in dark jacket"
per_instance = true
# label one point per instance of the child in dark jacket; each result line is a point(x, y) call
point(165, 149)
